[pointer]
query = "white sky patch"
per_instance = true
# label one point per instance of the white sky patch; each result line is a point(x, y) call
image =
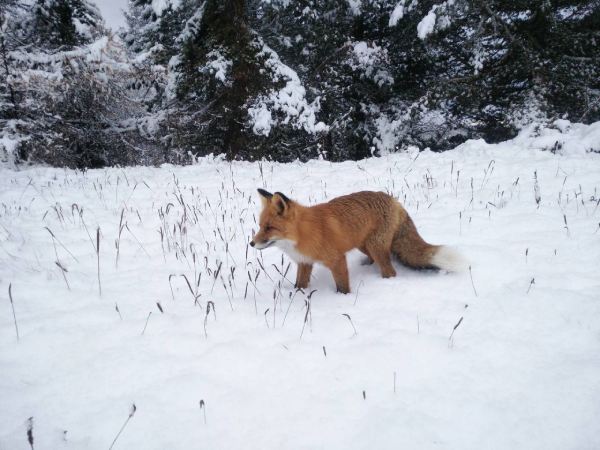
point(112, 12)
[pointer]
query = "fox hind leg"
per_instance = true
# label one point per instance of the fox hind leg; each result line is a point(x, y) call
point(381, 254)
point(367, 260)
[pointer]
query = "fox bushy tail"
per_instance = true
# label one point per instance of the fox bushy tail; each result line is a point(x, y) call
point(413, 251)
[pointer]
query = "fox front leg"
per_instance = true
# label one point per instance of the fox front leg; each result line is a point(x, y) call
point(339, 270)
point(303, 275)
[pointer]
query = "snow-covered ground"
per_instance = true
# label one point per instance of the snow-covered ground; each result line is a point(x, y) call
point(377, 368)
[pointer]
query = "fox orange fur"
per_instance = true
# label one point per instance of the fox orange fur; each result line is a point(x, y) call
point(373, 222)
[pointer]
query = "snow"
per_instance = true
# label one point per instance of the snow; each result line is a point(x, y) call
point(82, 29)
point(106, 52)
point(506, 359)
point(578, 12)
point(369, 59)
point(219, 66)
point(563, 137)
point(281, 4)
point(396, 121)
point(159, 6)
point(173, 77)
point(93, 52)
point(288, 103)
point(192, 26)
point(261, 119)
point(388, 133)
point(426, 25)
point(477, 60)
point(397, 14)
point(532, 112)
point(96, 49)
point(516, 16)
point(8, 146)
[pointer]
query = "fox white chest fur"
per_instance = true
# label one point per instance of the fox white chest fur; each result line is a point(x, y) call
point(289, 248)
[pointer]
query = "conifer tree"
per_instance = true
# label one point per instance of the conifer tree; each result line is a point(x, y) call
point(65, 23)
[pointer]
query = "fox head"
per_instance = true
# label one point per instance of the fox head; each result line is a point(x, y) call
point(276, 219)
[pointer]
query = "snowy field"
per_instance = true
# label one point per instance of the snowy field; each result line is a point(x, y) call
point(209, 340)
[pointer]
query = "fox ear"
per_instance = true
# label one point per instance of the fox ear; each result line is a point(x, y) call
point(265, 196)
point(281, 202)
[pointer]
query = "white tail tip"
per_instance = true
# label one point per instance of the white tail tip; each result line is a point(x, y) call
point(446, 258)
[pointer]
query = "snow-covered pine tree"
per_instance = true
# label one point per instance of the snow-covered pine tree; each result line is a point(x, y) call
point(331, 46)
point(64, 101)
point(142, 22)
point(227, 90)
point(64, 23)
point(211, 78)
point(153, 27)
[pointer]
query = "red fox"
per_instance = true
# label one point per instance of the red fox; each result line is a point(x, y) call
point(373, 222)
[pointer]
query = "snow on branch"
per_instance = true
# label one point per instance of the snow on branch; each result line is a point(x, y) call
point(427, 25)
point(286, 106)
point(370, 59)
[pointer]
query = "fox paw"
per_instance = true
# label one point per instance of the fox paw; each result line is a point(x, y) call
point(343, 290)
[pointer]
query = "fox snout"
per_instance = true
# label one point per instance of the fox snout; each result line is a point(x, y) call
point(257, 240)
point(256, 244)
point(260, 244)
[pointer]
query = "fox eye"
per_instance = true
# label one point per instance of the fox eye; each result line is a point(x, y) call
point(268, 228)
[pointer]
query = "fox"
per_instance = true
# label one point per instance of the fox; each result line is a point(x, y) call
point(373, 222)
